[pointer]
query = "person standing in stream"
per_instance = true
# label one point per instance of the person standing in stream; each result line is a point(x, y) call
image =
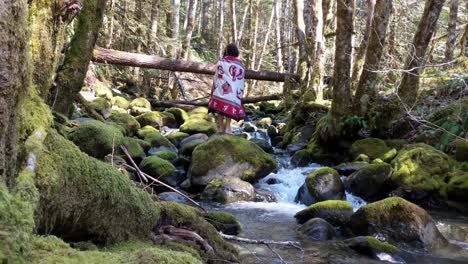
point(228, 89)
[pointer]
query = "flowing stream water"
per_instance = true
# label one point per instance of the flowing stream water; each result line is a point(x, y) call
point(275, 220)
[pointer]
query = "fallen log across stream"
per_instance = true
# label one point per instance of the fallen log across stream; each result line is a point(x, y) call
point(179, 103)
point(116, 57)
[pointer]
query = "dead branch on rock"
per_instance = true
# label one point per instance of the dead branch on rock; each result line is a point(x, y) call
point(146, 177)
point(293, 244)
point(172, 233)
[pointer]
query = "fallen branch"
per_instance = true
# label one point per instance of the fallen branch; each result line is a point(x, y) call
point(262, 241)
point(177, 103)
point(146, 177)
point(172, 233)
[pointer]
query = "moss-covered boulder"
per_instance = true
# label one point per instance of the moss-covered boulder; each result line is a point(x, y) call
point(317, 229)
point(96, 138)
point(139, 106)
point(144, 131)
point(370, 246)
point(461, 150)
point(224, 222)
point(457, 186)
point(159, 168)
point(166, 155)
point(177, 137)
point(120, 102)
point(372, 147)
point(103, 91)
point(369, 182)
point(187, 145)
point(398, 221)
point(127, 121)
point(198, 125)
point(420, 167)
point(85, 199)
point(180, 115)
point(228, 190)
point(154, 118)
point(134, 148)
point(170, 120)
point(198, 110)
point(101, 105)
point(349, 168)
point(184, 216)
point(229, 156)
point(159, 142)
point(264, 122)
point(263, 144)
point(335, 212)
point(325, 184)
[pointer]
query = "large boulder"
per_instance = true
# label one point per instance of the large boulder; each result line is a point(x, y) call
point(180, 115)
point(333, 211)
point(228, 190)
point(224, 222)
point(155, 119)
point(159, 142)
point(370, 181)
point(317, 229)
point(198, 125)
point(127, 121)
point(144, 131)
point(325, 184)
point(188, 144)
point(120, 102)
point(139, 106)
point(177, 137)
point(373, 147)
point(398, 221)
point(349, 168)
point(420, 167)
point(160, 169)
point(263, 144)
point(229, 156)
point(96, 138)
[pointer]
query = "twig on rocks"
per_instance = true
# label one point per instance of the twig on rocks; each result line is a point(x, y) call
point(261, 241)
point(276, 253)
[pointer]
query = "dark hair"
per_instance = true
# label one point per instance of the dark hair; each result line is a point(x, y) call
point(231, 50)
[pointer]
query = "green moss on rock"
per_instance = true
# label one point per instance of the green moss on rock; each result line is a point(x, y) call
point(334, 211)
point(372, 147)
point(198, 125)
point(103, 91)
point(325, 184)
point(380, 246)
point(140, 102)
point(158, 140)
point(224, 222)
point(209, 157)
point(96, 138)
point(144, 131)
point(180, 114)
point(134, 148)
point(120, 102)
point(127, 121)
point(83, 198)
point(166, 155)
point(461, 150)
point(157, 167)
point(154, 118)
point(101, 104)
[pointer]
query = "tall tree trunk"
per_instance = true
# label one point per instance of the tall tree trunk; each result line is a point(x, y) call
point(205, 28)
point(14, 78)
point(279, 47)
point(366, 90)
point(341, 106)
point(175, 27)
point(285, 40)
point(265, 40)
point(361, 52)
point(304, 62)
point(221, 28)
point(318, 49)
point(71, 76)
point(242, 25)
point(233, 21)
point(153, 31)
point(254, 37)
point(111, 24)
point(327, 7)
point(452, 31)
point(408, 89)
point(190, 26)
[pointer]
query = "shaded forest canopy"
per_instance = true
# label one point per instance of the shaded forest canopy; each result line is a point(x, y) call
point(381, 82)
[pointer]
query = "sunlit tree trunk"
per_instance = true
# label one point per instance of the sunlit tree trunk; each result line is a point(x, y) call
point(366, 89)
point(279, 48)
point(408, 89)
point(205, 27)
point(221, 28)
point(71, 75)
point(327, 7)
point(153, 31)
point(190, 26)
point(302, 42)
point(284, 36)
point(342, 103)
point(111, 24)
point(233, 21)
point(318, 67)
point(254, 36)
point(14, 79)
point(452, 31)
point(265, 40)
point(242, 24)
point(175, 27)
point(360, 55)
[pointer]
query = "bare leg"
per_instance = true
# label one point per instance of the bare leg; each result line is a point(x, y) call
point(228, 126)
point(221, 123)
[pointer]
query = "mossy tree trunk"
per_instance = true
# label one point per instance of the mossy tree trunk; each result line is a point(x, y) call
point(14, 78)
point(408, 89)
point(318, 49)
point(304, 61)
point(342, 100)
point(71, 76)
point(366, 89)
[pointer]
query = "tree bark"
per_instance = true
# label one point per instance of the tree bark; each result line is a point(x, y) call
point(71, 76)
point(304, 61)
point(242, 25)
point(205, 28)
point(342, 103)
point(233, 21)
point(279, 46)
point(153, 31)
point(190, 26)
point(408, 89)
point(221, 28)
point(452, 31)
point(265, 40)
point(366, 89)
point(175, 27)
point(253, 49)
point(361, 52)
point(14, 79)
point(116, 57)
point(111, 24)
point(318, 63)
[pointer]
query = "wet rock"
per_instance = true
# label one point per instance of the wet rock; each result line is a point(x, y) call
point(276, 141)
point(301, 158)
point(177, 137)
point(229, 156)
point(369, 182)
point(249, 128)
point(296, 147)
point(228, 190)
point(187, 145)
point(333, 211)
point(453, 232)
point(398, 221)
point(262, 144)
point(370, 246)
point(272, 131)
point(325, 184)
point(158, 141)
point(303, 196)
point(373, 147)
point(273, 181)
point(224, 222)
point(262, 195)
point(347, 169)
point(173, 196)
point(317, 229)
point(304, 134)
point(196, 125)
